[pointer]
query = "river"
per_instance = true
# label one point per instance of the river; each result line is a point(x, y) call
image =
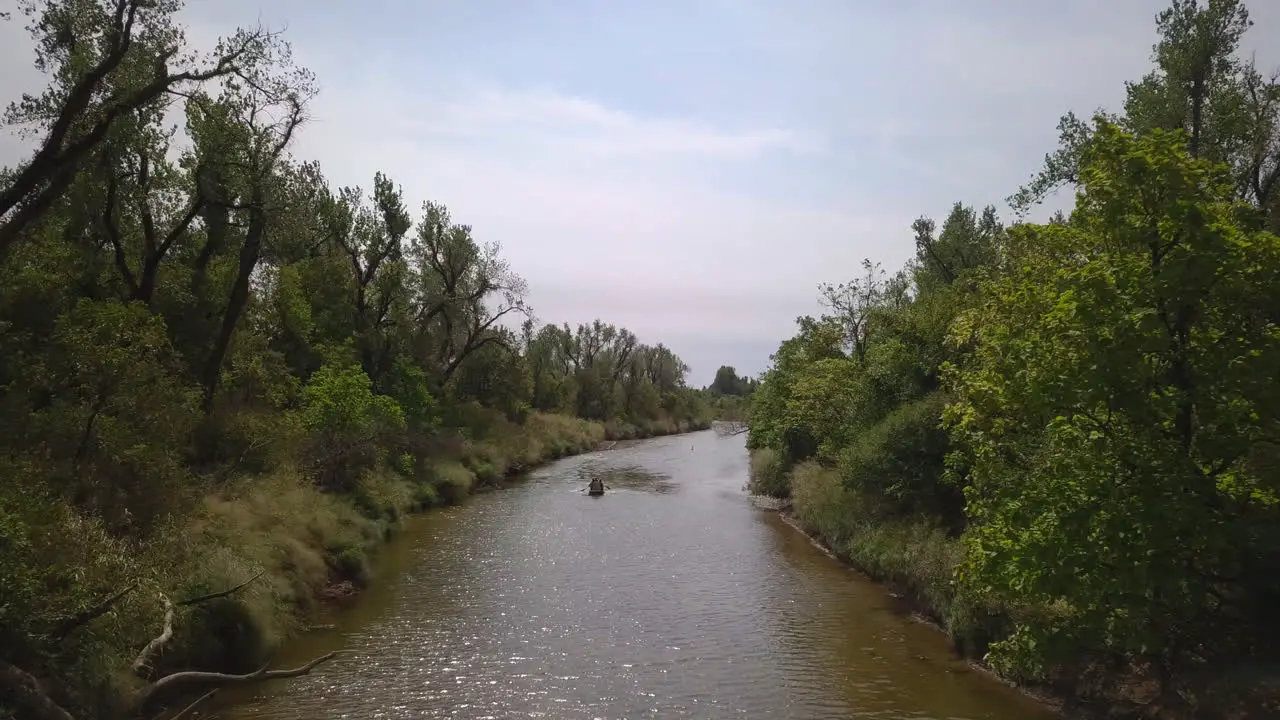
point(671, 596)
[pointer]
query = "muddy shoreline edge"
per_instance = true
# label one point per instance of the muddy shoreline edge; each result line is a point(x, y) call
point(1065, 706)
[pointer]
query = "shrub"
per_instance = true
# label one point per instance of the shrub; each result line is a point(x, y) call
point(901, 459)
point(766, 474)
point(347, 421)
point(452, 480)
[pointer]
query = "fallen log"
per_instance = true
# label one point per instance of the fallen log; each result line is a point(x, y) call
point(37, 702)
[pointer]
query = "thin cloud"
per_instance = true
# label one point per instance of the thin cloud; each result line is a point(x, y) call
point(574, 124)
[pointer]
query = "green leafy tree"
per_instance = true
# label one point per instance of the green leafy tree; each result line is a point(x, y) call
point(1228, 110)
point(347, 420)
point(111, 412)
point(817, 340)
point(1121, 389)
point(727, 382)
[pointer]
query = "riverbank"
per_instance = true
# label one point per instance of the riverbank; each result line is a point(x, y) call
point(288, 549)
point(344, 538)
point(915, 561)
point(322, 551)
point(911, 604)
point(478, 606)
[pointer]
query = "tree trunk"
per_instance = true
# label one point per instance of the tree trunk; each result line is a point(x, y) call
point(250, 253)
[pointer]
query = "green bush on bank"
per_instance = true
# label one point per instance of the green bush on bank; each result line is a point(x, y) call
point(766, 475)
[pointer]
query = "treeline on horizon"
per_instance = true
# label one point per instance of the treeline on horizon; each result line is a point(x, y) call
point(215, 366)
point(730, 397)
point(1063, 438)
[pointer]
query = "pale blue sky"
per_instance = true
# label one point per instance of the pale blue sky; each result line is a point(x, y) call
point(693, 169)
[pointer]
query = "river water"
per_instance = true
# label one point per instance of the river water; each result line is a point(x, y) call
point(671, 596)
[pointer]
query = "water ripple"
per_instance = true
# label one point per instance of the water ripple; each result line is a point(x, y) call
point(671, 597)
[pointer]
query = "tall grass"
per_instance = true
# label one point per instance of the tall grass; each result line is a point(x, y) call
point(300, 541)
point(913, 555)
point(766, 474)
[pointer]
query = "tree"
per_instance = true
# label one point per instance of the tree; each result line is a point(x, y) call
point(372, 238)
point(1228, 110)
point(727, 382)
point(346, 419)
point(966, 242)
point(192, 320)
point(1113, 414)
point(853, 303)
point(110, 58)
point(269, 109)
point(818, 339)
point(455, 277)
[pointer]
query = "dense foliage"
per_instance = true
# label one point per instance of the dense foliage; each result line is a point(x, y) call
point(728, 382)
point(1063, 438)
point(729, 396)
point(214, 364)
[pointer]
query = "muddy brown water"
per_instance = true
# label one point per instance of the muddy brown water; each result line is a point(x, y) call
point(671, 596)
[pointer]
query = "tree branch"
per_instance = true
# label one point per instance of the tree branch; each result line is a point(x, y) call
point(27, 691)
point(143, 662)
point(112, 229)
point(79, 620)
point(57, 159)
point(169, 683)
point(76, 104)
point(291, 125)
point(197, 204)
point(474, 340)
point(222, 594)
point(730, 428)
point(30, 695)
point(144, 204)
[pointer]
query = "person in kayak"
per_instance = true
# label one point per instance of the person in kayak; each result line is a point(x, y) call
point(596, 487)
